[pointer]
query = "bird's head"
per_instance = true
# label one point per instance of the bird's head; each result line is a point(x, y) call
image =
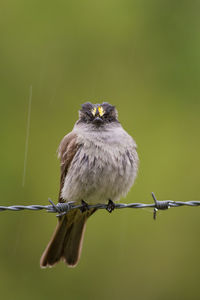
point(98, 114)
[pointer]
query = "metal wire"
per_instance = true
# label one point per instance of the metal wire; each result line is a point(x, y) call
point(63, 208)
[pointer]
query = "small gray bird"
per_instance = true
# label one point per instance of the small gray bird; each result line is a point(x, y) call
point(99, 164)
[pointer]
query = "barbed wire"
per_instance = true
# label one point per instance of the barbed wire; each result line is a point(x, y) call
point(64, 208)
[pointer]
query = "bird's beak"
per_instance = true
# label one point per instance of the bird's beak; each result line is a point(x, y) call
point(98, 120)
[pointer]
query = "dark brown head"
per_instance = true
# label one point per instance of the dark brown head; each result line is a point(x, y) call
point(98, 114)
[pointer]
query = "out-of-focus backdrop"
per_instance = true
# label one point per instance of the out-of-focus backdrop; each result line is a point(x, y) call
point(143, 57)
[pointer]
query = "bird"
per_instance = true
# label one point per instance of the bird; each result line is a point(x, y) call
point(99, 164)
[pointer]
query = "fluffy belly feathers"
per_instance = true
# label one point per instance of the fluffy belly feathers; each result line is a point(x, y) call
point(98, 173)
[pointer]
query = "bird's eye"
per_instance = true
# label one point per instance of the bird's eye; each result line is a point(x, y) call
point(106, 115)
point(89, 115)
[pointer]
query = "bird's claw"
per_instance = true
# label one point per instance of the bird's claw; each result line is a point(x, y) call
point(84, 206)
point(111, 206)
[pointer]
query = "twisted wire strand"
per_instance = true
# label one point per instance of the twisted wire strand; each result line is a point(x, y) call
point(63, 208)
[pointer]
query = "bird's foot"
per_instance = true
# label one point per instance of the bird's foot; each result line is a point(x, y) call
point(84, 206)
point(111, 206)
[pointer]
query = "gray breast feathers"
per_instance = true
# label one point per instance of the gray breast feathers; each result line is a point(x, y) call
point(104, 166)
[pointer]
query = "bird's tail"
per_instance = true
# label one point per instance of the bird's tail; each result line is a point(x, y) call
point(66, 242)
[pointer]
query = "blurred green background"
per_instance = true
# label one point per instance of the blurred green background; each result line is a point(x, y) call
point(144, 57)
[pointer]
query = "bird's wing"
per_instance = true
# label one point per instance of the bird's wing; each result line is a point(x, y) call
point(66, 152)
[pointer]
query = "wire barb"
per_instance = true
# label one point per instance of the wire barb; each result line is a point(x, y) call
point(63, 208)
point(159, 205)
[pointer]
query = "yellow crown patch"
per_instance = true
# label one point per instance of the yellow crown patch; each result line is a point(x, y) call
point(93, 111)
point(101, 111)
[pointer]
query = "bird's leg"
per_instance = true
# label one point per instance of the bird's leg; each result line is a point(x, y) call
point(84, 206)
point(111, 206)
